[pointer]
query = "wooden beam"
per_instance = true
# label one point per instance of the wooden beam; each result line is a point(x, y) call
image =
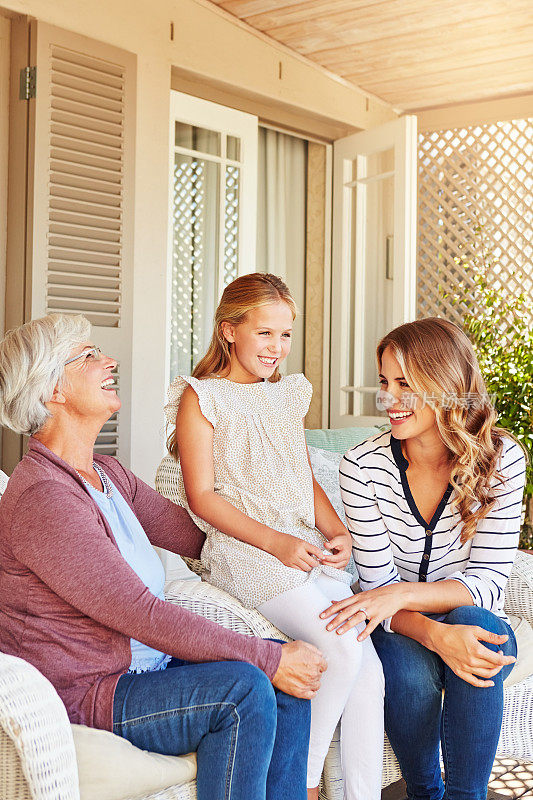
point(456, 116)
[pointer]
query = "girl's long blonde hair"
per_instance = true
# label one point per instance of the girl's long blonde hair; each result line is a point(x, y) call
point(439, 363)
point(238, 298)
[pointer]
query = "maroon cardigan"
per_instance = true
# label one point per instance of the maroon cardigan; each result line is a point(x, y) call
point(69, 602)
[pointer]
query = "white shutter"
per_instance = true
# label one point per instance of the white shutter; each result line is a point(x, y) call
point(80, 221)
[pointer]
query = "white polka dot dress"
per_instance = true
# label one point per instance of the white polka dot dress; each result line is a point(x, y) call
point(261, 468)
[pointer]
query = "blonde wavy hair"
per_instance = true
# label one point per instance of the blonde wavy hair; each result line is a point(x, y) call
point(238, 298)
point(438, 361)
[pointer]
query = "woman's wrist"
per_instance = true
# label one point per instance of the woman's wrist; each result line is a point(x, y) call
point(417, 626)
point(433, 630)
point(403, 591)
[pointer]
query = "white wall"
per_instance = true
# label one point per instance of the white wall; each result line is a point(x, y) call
point(5, 28)
point(211, 47)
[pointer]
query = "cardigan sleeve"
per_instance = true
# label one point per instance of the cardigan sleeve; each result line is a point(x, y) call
point(62, 539)
point(496, 539)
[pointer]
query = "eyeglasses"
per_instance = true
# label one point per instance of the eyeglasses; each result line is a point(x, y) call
point(94, 353)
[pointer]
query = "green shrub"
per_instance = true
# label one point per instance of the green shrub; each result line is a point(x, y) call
point(500, 327)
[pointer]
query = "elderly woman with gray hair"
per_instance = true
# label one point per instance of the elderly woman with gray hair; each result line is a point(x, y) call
point(81, 589)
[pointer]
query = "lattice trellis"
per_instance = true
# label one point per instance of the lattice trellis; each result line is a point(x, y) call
point(188, 261)
point(231, 224)
point(205, 250)
point(474, 201)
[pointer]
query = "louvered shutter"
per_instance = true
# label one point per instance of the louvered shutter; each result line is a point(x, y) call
point(80, 226)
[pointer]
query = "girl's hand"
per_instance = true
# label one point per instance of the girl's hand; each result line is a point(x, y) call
point(296, 553)
point(374, 606)
point(341, 550)
point(460, 648)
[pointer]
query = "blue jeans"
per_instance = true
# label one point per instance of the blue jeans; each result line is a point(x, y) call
point(467, 723)
point(251, 740)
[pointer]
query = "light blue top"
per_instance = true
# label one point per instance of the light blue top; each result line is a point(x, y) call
point(135, 546)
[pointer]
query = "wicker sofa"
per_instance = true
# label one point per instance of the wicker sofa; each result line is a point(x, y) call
point(517, 728)
point(43, 757)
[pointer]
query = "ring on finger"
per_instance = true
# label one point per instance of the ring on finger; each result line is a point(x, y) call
point(364, 611)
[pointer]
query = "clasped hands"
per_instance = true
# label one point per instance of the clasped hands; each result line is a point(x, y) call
point(299, 554)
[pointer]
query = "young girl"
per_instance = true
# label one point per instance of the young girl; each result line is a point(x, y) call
point(273, 539)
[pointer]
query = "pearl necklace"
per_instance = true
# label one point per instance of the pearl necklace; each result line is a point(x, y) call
point(108, 489)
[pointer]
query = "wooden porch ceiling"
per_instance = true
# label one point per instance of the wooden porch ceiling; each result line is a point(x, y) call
point(413, 54)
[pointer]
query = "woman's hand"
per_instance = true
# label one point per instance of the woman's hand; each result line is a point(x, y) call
point(375, 605)
point(296, 553)
point(300, 669)
point(461, 648)
point(341, 550)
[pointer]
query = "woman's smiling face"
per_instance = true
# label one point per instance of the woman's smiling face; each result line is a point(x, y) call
point(88, 385)
point(260, 343)
point(409, 415)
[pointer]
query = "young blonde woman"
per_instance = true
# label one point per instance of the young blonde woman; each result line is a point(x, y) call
point(273, 539)
point(434, 511)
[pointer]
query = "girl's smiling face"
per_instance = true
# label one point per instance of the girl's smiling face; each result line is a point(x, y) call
point(409, 415)
point(260, 343)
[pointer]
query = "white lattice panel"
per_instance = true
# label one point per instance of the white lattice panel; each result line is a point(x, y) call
point(188, 261)
point(474, 204)
point(197, 217)
point(231, 224)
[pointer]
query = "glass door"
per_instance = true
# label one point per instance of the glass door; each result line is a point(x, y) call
point(373, 260)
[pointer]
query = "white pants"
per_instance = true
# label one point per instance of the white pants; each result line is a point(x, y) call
point(352, 688)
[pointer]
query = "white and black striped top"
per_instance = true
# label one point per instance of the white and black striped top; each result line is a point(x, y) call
point(392, 542)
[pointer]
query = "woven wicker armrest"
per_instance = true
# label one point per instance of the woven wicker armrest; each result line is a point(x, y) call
point(167, 479)
point(519, 590)
point(220, 607)
point(36, 745)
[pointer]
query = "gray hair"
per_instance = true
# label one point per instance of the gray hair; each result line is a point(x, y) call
point(32, 360)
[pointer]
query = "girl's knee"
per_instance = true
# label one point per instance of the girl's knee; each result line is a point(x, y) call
point(343, 652)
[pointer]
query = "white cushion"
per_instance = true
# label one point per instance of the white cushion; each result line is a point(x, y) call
point(326, 471)
point(111, 768)
point(175, 567)
point(3, 482)
point(524, 640)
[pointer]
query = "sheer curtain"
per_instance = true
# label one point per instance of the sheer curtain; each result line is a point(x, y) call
point(281, 222)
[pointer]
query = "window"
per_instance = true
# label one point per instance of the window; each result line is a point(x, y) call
point(213, 217)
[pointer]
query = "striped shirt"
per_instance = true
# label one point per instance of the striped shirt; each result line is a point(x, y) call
point(392, 542)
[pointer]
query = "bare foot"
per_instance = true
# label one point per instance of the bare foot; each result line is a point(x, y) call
point(312, 794)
